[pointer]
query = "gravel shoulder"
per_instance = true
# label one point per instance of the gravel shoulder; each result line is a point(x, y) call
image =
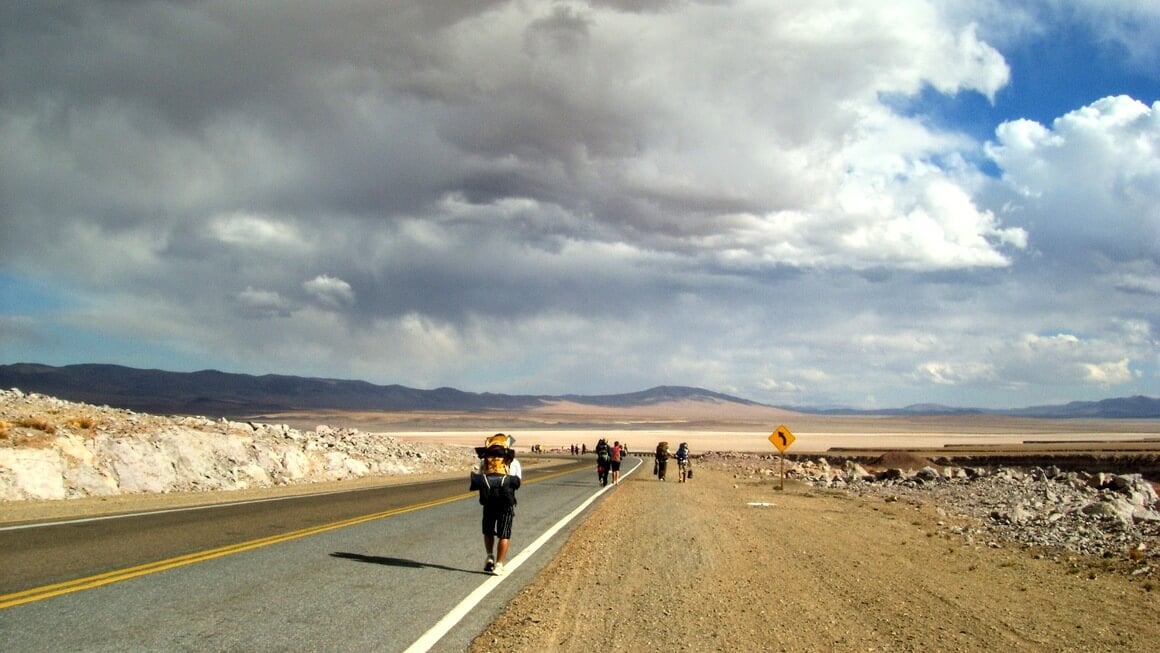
point(724, 562)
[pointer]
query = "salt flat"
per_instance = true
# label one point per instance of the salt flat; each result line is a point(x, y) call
point(806, 442)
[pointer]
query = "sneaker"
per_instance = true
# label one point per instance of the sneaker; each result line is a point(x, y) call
point(498, 570)
point(490, 564)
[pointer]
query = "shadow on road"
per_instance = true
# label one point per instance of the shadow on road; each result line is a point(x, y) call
point(593, 483)
point(400, 562)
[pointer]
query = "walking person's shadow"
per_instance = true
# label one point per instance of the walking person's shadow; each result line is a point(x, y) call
point(399, 562)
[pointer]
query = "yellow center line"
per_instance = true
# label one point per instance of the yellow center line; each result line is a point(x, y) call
point(118, 575)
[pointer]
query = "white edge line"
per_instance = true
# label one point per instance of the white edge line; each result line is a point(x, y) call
point(444, 625)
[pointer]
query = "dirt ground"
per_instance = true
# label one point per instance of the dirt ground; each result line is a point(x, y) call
point(722, 564)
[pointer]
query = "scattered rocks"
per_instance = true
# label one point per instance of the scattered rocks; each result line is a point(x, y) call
point(1098, 514)
point(55, 449)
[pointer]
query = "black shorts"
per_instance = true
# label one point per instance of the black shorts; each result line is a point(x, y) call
point(615, 465)
point(497, 520)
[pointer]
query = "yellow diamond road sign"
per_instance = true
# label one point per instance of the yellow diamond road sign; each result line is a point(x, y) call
point(781, 438)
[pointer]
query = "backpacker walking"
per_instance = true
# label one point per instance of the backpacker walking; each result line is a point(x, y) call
point(662, 460)
point(498, 479)
point(683, 462)
point(603, 461)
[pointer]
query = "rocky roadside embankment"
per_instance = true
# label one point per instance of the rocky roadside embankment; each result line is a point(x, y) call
point(56, 449)
point(1112, 516)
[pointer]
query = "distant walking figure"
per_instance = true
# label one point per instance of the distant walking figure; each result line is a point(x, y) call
point(617, 453)
point(682, 457)
point(662, 461)
point(603, 461)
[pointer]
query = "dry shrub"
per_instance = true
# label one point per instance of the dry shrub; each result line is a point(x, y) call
point(37, 423)
point(3, 430)
point(84, 422)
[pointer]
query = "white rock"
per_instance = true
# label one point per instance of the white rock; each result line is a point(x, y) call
point(140, 466)
point(32, 474)
point(73, 446)
point(251, 475)
point(296, 464)
point(86, 481)
point(128, 452)
point(1113, 507)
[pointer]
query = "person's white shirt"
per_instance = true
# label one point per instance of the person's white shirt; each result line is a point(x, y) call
point(514, 468)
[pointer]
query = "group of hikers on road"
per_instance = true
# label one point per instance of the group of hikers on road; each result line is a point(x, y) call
point(499, 476)
point(684, 464)
point(608, 461)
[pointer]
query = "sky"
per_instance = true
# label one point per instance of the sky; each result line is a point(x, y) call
point(834, 203)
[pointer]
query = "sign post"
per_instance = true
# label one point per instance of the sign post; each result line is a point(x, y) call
point(782, 439)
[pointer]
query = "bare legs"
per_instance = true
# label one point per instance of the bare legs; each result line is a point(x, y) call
point(500, 551)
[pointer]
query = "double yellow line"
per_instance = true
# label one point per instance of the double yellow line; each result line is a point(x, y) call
point(118, 575)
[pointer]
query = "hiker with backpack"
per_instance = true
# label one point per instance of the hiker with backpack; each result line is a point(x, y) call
point(683, 462)
point(662, 460)
point(603, 461)
point(497, 480)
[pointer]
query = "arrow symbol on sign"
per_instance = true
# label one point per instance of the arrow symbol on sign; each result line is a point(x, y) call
point(781, 434)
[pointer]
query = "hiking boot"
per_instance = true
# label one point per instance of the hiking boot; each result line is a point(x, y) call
point(498, 569)
point(490, 564)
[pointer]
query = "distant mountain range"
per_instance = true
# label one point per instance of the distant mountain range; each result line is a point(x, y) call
point(1138, 407)
point(214, 393)
point(210, 392)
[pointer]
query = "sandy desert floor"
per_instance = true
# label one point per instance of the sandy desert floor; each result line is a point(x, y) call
point(723, 563)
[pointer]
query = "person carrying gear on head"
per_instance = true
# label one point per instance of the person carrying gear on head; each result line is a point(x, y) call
point(662, 460)
point(497, 480)
point(603, 461)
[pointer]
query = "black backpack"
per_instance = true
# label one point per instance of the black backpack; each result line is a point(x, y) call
point(495, 489)
point(603, 457)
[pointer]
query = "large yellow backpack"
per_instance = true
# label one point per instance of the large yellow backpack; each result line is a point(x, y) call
point(495, 455)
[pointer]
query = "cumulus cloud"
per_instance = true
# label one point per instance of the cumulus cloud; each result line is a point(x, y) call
point(582, 196)
point(1092, 177)
point(255, 302)
point(329, 291)
point(944, 373)
point(1066, 359)
point(255, 232)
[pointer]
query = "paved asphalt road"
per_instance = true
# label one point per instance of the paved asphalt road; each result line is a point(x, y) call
point(372, 570)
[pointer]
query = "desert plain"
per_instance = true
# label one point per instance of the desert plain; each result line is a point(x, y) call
point(711, 426)
point(737, 559)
